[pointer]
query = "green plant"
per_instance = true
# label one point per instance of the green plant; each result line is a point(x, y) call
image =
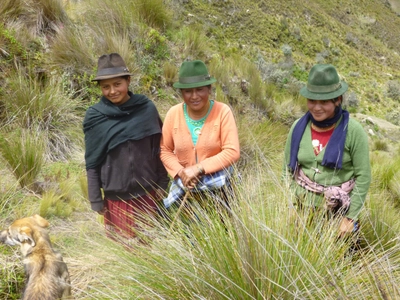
point(12, 279)
point(256, 88)
point(11, 46)
point(393, 90)
point(23, 150)
point(153, 13)
point(380, 145)
point(54, 204)
point(192, 41)
point(48, 109)
point(155, 45)
point(72, 51)
point(170, 72)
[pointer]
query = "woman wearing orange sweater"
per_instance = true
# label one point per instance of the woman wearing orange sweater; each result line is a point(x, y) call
point(199, 140)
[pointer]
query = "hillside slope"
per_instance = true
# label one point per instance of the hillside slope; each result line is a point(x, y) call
point(362, 37)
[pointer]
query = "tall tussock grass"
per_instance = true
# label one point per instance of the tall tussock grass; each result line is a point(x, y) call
point(71, 50)
point(23, 152)
point(39, 16)
point(262, 249)
point(122, 15)
point(192, 43)
point(45, 107)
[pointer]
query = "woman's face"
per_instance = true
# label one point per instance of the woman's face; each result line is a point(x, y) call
point(196, 99)
point(322, 109)
point(115, 89)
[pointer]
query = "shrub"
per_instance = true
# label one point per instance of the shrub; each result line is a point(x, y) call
point(193, 43)
point(256, 88)
point(351, 99)
point(154, 13)
point(393, 90)
point(23, 151)
point(170, 72)
point(72, 49)
point(380, 145)
point(39, 17)
point(393, 117)
point(43, 107)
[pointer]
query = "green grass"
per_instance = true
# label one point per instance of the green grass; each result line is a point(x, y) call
point(263, 249)
point(23, 151)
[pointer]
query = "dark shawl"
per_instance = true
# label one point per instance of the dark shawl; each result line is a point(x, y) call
point(107, 125)
point(334, 149)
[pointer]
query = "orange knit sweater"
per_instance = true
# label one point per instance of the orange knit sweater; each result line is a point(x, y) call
point(217, 146)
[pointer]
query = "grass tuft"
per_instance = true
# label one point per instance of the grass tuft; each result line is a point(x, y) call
point(23, 151)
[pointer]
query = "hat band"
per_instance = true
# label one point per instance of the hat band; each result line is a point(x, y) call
point(112, 71)
point(194, 79)
point(323, 88)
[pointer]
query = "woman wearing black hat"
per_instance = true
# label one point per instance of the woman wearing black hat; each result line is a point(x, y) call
point(327, 152)
point(122, 139)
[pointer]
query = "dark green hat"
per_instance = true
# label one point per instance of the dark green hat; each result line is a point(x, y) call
point(323, 83)
point(193, 74)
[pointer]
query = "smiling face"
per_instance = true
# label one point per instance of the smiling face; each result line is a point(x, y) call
point(322, 109)
point(115, 89)
point(196, 100)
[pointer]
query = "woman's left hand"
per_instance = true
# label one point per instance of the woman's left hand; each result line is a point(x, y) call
point(346, 227)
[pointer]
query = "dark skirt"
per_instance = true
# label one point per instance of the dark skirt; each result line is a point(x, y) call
point(124, 217)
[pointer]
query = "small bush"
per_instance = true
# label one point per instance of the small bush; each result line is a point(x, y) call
point(45, 107)
point(393, 117)
point(193, 43)
point(393, 90)
point(256, 89)
point(23, 151)
point(154, 13)
point(380, 145)
point(170, 72)
point(351, 99)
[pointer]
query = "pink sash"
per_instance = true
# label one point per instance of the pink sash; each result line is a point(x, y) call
point(335, 196)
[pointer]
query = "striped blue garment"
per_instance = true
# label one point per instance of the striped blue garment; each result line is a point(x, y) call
point(207, 183)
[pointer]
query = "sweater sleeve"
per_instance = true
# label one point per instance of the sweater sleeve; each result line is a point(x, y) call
point(95, 196)
point(362, 169)
point(163, 179)
point(286, 153)
point(168, 157)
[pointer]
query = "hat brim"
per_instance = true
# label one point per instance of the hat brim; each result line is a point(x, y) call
point(324, 96)
point(179, 85)
point(111, 76)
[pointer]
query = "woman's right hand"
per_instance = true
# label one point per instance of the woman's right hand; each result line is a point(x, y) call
point(102, 211)
point(190, 176)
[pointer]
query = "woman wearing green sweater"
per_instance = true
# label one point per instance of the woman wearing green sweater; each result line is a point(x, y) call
point(326, 152)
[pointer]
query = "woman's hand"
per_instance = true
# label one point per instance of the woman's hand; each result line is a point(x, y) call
point(102, 211)
point(190, 176)
point(346, 227)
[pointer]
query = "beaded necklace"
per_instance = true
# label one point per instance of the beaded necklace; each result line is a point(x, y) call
point(195, 126)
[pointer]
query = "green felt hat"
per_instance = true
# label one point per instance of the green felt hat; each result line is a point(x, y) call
point(193, 74)
point(323, 83)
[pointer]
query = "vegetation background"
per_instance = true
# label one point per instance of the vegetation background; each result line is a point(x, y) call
point(260, 52)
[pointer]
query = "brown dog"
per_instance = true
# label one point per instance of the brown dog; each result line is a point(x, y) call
point(47, 276)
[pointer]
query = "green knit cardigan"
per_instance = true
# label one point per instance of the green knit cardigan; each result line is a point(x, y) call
point(356, 164)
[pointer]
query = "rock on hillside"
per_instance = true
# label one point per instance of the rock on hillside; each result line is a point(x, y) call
point(379, 127)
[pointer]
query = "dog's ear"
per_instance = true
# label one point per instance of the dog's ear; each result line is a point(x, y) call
point(41, 221)
point(25, 235)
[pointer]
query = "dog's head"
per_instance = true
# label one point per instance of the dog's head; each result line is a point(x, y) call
point(21, 232)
